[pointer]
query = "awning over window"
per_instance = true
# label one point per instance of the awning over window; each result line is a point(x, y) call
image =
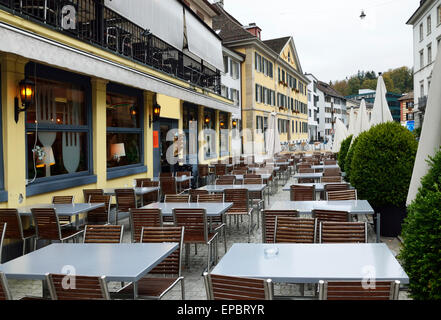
point(164, 18)
point(202, 43)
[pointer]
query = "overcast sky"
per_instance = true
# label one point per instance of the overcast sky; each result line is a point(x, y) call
point(331, 39)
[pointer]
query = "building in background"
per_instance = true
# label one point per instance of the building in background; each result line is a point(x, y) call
point(426, 22)
point(352, 103)
point(272, 81)
point(331, 107)
point(392, 101)
point(407, 111)
point(313, 109)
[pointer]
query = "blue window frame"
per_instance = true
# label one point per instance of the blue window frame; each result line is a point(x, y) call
point(3, 193)
point(125, 131)
point(58, 131)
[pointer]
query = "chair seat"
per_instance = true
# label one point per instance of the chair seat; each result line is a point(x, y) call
point(29, 233)
point(196, 238)
point(150, 287)
point(239, 212)
point(70, 232)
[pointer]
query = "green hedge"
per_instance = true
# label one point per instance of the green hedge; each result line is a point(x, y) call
point(341, 157)
point(382, 164)
point(349, 156)
point(421, 251)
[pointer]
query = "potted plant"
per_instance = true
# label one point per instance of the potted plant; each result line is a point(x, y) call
point(341, 157)
point(420, 254)
point(381, 170)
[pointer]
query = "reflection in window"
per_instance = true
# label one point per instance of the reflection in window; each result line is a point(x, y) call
point(223, 133)
point(210, 133)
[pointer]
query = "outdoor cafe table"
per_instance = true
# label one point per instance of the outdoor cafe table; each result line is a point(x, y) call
point(221, 188)
point(353, 207)
point(312, 175)
point(310, 263)
point(212, 209)
point(327, 166)
point(319, 187)
point(123, 262)
point(138, 192)
point(68, 210)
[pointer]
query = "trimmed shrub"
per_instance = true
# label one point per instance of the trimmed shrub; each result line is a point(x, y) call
point(421, 251)
point(382, 164)
point(349, 156)
point(341, 157)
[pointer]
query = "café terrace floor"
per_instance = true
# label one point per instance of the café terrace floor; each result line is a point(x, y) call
point(194, 283)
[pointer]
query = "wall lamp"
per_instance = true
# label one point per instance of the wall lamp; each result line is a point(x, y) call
point(234, 123)
point(27, 95)
point(156, 114)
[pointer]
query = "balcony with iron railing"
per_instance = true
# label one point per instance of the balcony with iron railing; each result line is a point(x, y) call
point(100, 26)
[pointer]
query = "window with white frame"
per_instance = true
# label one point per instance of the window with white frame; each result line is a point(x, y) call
point(421, 59)
point(421, 32)
point(429, 54)
point(429, 25)
point(226, 64)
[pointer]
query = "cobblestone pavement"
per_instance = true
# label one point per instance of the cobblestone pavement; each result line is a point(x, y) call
point(194, 283)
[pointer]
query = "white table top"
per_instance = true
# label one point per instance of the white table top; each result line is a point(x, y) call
point(178, 179)
point(306, 207)
point(138, 191)
point(314, 175)
point(221, 188)
point(310, 263)
point(212, 209)
point(62, 209)
point(118, 262)
point(241, 177)
point(330, 166)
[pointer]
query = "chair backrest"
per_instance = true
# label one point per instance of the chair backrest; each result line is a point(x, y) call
point(295, 230)
point(125, 199)
point(67, 287)
point(15, 227)
point(253, 181)
point(343, 232)
point(236, 288)
point(302, 193)
point(239, 171)
point(329, 162)
point(88, 192)
point(336, 187)
point(194, 194)
point(139, 218)
point(203, 170)
point(183, 173)
point(168, 185)
point(342, 195)
point(330, 179)
point(225, 182)
point(62, 199)
point(5, 293)
point(47, 225)
point(269, 220)
point(331, 172)
point(239, 198)
point(211, 198)
point(101, 214)
point(143, 182)
point(356, 290)
point(194, 221)
point(169, 198)
point(304, 166)
point(329, 215)
point(103, 234)
point(220, 169)
point(3, 226)
point(306, 170)
point(165, 174)
point(171, 264)
point(252, 176)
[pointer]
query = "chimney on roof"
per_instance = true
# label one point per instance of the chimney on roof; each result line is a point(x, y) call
point(254, 30)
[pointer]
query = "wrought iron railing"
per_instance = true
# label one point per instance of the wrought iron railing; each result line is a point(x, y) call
point(96, 24)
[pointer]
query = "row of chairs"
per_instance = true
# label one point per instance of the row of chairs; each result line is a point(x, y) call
point(333, 192)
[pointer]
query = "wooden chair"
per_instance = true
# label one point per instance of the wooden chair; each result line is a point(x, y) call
point(241, 206)
point(168, 185)
point(125, 200)
point(85, 288)
point(143, 182)
point(48, 228)
point(336, 187)
point(256, 197)
point(194, 194)
point(343, 232)
point(139, 218)
point(88, 192)
point(186, 184)
point(302, 193)
point(3, 226)
point(152, 196)
point(336, 179)
point(165, 174)
point(203, 173)
point(176, 198)
point(220, 169)
point(169, 269)
point(99, 215)
point(64, 220)
point(306, 170)
point(304, 166)
point(355, 290)
point(239, 171)
point(329, 215)
point(294, 230)
point(329, 162)
point(341, 195)
point(225, 182)
point(269, 220)
point(235, 288)
point(15, 229)
point(196, 229)
point(331, 172)
point(217, 223)
point(103, 234)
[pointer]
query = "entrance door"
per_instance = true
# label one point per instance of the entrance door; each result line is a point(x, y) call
point(160, 162)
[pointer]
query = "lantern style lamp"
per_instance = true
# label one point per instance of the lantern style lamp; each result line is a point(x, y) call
point(27, 96)
point(234, 124)
point(156, 113)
